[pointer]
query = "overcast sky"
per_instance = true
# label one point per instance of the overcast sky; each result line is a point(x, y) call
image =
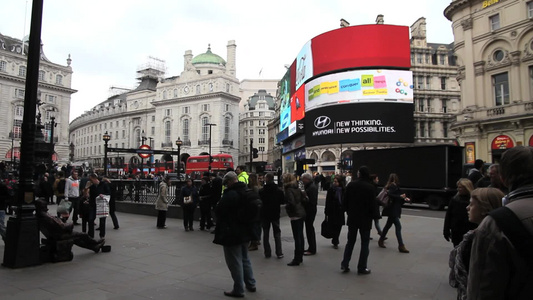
point(108, 40)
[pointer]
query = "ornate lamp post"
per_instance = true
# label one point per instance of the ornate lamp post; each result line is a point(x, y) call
point(210, 158)
point(106, 139)
point(179, 142)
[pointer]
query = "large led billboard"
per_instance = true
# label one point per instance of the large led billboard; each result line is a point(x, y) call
point(359, 86)
point(373, 122)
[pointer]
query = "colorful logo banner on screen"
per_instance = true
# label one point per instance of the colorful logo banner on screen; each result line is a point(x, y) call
point(360, 85)
point(304, 65)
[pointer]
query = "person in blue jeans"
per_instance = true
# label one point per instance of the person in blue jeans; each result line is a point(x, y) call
point(234, 236)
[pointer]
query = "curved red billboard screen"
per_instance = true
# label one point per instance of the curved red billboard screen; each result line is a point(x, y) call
point(361, 47)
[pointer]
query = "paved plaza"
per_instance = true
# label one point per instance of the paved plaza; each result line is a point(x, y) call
point(147, 263)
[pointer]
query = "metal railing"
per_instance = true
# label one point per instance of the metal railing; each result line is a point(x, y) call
point(145, 190)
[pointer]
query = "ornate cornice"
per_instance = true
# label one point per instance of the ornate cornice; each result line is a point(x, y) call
point(467, 24)
point(454, 7)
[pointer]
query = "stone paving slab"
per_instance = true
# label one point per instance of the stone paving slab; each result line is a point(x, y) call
point(150, 263)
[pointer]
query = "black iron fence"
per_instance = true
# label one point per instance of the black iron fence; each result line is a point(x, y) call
point(145, 190)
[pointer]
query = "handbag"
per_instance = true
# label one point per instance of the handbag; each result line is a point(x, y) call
point(325, 229)
point(383, 198)
point(187, 200)
point(64, 207)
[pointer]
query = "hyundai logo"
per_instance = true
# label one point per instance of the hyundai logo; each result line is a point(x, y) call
point(322, 122)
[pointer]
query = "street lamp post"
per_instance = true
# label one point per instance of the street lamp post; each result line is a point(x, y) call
point(179, 142)
point(143, 139)
point(106, 139)
point(12, 134)
point(210, 157)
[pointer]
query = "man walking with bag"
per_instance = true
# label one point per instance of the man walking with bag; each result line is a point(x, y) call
point(361, 206)
point(234, 235)
point(310, 212)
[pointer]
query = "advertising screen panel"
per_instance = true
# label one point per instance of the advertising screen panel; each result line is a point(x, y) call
point(365, 46)
point(359, 86)
point(298, 104)
point(371, 122)
point(304, 65)
point(285, 118)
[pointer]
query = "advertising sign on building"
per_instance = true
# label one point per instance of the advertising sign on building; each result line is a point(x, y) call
point(372, 122)
point(304, 65)
point(359, 86)
point(502, 142)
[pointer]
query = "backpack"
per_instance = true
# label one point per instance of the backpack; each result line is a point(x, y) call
point(61, 186)
point(522, 240)
point(250, 209)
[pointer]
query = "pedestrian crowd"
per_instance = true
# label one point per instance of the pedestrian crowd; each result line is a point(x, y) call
point(489, 221)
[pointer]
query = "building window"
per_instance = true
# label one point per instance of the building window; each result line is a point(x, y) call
point(419, 58)
point(429, 129)
point(153, 119)
point(138, 137)
point(185, 110)
point(110, 124)
point(429, 105)
point(226, 127)
point(59, 79)
point(209, 71)
point(261, 131)
point(3, 66)
point(205, 107)
point(168, 112)
point(501, 88)
point(428, 59)
point(444, 108)
point(164, 95)
point(19, 111)
point(210, 87)
point(251, 131)
point(124, 134)
point(498, 55)
point(445, 129)
point(19, 93)
point(531, 81)
point(420, 84)
point(175, 93)
point(167, 132)
point(186, 130)
point(22, 71)
point(413, 58)
point(226, 107)
point(428, 82)
point(261, 140)
point(227, 87)
point(261, 149)
point(198, 89)
point(421, 105)
point(422, 129)
point(17, 128)
point(494, 22)
point(205, 129)
point(152, 131)
point(123, 122)
point(251, 123)
point(443, 83)
point(529, 6)
point(442, 58)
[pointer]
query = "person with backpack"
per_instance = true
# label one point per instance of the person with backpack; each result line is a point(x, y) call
point(234, 234)
point(501, 264)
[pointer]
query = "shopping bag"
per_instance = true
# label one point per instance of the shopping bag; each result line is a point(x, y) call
point(64, 207)
point(325, 229)
point(102, 206)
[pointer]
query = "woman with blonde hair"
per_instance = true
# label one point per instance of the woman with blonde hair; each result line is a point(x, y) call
point(394, 211)
point(456, 222)
point(482, 201)
point(296, 212)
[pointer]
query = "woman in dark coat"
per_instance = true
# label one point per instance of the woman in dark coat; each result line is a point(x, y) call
point(333, 211)
point(189, 201)
point(394, 211)
point(456, 222)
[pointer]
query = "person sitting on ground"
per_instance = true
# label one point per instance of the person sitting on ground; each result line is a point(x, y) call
point(54, 228)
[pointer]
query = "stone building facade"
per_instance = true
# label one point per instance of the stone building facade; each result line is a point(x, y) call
point(55, 93)
point(494, 49)
point(162, 109)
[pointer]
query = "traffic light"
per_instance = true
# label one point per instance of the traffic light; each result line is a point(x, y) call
point(254, 153)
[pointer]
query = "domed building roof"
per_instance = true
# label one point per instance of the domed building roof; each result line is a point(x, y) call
point(208, 58)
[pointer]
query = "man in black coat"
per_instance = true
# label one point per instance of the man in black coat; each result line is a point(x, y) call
point(234, 236)
point(361, 206)
point(272, 197)
point(310, 212)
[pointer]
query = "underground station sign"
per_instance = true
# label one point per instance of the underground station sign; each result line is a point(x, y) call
point(144, 151)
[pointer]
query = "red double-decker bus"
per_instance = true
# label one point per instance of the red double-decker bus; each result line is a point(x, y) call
point(197, 165)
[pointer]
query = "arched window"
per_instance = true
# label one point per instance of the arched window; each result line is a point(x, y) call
point(164, 95)
point(175, 93)
point(138, 137)
point(3, 66)
point(59, 79)
point(185, 132)
point(41, 75)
